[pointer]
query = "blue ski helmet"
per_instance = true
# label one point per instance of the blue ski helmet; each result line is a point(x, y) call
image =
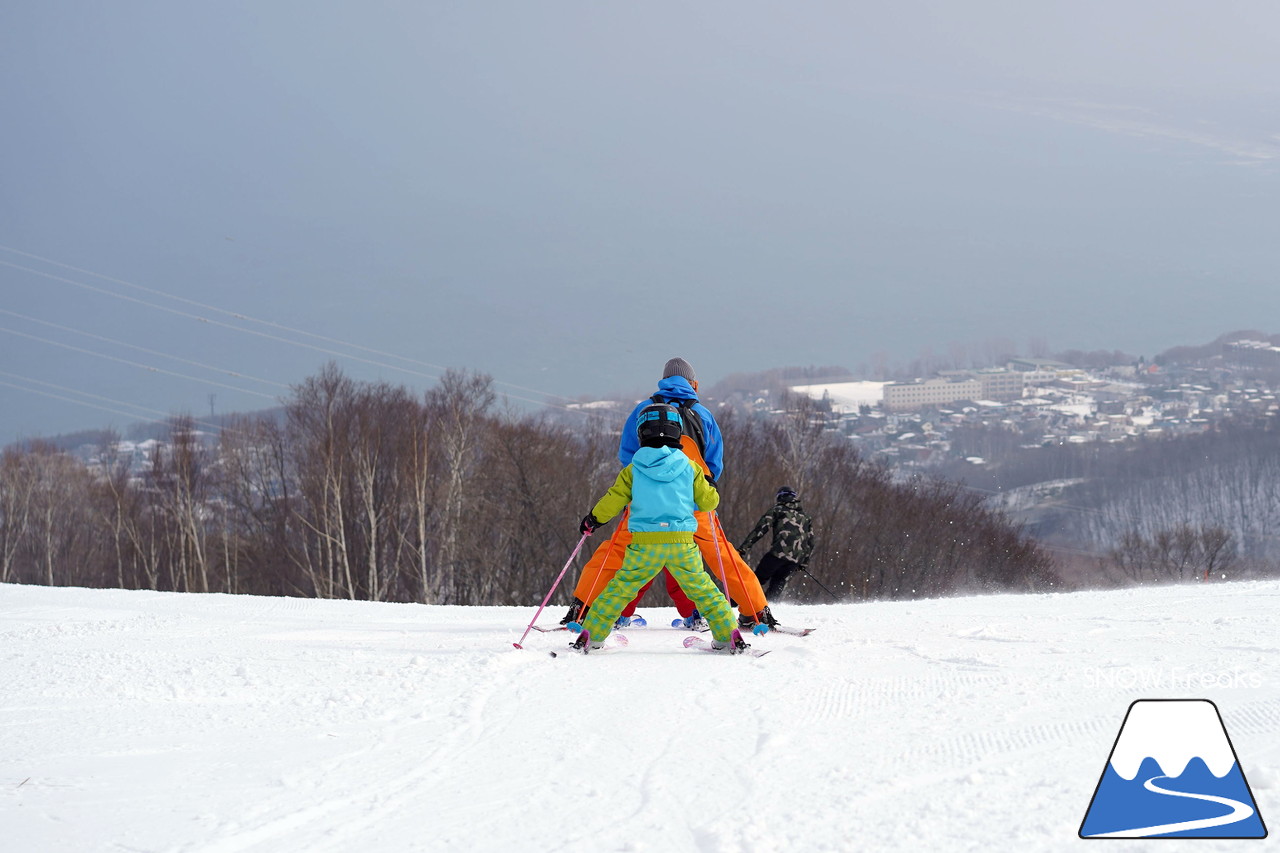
point(658, 425)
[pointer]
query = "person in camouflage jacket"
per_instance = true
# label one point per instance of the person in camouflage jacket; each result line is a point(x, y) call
point(792, 541)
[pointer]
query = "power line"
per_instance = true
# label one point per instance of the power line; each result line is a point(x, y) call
point(206, 320)
point(235, 314)
point(162, 415)
point(134, 363)
point(131, 415)
point(143, 349)
point(71, 391)
point(251, 319)
point(277, 338)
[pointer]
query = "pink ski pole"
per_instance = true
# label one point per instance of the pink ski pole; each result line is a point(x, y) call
point(553, 589)
point(715, 538)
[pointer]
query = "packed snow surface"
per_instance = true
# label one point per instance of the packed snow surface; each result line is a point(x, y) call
point(144, 721)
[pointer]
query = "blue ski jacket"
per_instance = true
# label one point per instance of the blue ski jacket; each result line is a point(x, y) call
point(675, 388)
point(664, 488)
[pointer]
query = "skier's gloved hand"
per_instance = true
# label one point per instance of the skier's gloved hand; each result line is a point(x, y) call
point(589, 524)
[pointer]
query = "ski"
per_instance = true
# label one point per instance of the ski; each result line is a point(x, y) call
point(636, 622)
point(704, 644)
point(795, 632)
point(612, 642)
point(781, 629)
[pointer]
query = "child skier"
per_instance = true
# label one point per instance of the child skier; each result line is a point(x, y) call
point(663, 488)
point(703, 443)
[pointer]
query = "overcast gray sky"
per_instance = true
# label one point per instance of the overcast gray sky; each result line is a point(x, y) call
point(566, 194)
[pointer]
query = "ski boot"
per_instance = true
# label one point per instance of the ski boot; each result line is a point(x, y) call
point(623, 622)
point(584, 643)
point(736, 644)
point(575, 613)
point(760, 623)
point(694, 622)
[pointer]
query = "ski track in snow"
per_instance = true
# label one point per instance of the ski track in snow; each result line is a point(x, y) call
point(231, 724)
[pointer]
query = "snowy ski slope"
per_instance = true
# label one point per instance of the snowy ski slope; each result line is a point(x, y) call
point(147, 721)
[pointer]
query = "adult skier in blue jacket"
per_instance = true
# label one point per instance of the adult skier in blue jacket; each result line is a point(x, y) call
point(703, 443)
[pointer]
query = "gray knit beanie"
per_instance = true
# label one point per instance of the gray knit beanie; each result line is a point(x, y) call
point(678, 367)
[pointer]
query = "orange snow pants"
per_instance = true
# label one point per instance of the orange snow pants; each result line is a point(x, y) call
point(744, 586)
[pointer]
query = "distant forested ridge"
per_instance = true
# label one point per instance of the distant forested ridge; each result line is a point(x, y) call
point(366, 491)
point(1221, 486)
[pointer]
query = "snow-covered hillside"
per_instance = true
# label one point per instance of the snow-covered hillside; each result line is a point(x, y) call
point(147, 721)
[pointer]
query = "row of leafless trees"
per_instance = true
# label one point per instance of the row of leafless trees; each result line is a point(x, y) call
point(1180, 553)
point(364, 490)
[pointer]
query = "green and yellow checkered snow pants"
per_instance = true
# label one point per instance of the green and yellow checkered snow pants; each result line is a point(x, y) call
point(684, 561)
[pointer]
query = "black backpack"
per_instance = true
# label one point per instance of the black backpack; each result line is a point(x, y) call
point(690, 419)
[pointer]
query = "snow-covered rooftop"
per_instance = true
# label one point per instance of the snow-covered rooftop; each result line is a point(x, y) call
point(846, 396)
